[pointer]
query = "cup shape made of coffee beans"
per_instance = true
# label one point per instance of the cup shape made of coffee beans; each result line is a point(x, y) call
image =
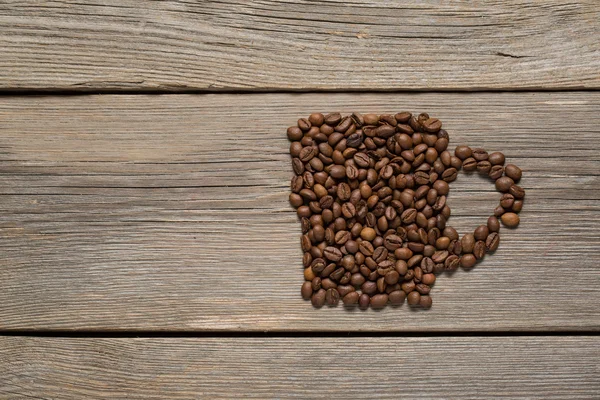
point(370, 192)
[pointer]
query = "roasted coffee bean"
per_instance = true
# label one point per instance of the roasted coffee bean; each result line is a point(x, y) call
point(496, 172)
point(470, 164)
point(413, 298)
point(468, 261)
point(481, 232)
point(449, 175)
point(479, 249)
point(510, 220)
point(493, 224)
point(480, 155)
point(517, 206)
point(463, 152)
point(496, 158)
point(468, 243)
point(503, 184)
point(484, 167)
point(332, 297)
point(492, 241)
point(517, 191)
point(513, 172)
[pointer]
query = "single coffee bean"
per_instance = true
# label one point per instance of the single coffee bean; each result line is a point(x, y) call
point(318, 298)
point(479, 249)
point(513, 172)
point(332, 253)
point(493, 224)
point(449, 175)
point(503, 184)
point(496, 172)
point(517, 206)
point(397, 297)
point(306, 290)
point(332, 297)
point(351, 299)
point(468, 243)
point(470, 164)
point(481, 232)
point(468, 261)
point(484, 167)
point(379, 300)
point(452, 262)
point(510, 220)
point(426, 302)
point(496, 158)
point(480, 154)
point(517, 191)
point(463, 152)
point(492, 241)
point(413, 298)
point(364, 301)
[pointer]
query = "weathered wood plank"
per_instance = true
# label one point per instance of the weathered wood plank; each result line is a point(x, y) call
point(170, 213)
point(382, 368)
point(299, 45)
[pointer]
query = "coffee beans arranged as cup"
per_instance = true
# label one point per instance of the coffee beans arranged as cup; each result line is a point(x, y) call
point(371, 195)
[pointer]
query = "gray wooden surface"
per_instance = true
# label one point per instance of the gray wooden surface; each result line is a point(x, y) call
point(299, 45)
point(325, 368)
point(170, 213)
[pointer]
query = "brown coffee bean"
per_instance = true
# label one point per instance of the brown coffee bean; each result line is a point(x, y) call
point(306, 290)
point(463, 152)
point(496, 172)
point(510, 220)
point(470, 164)
point(517, 206)
point(503, 184)
point(468, 243)
point(517, 191)
point(468, 261)
point(492, 241)
point(513, 172)
point(449, 175)
point(481, 232)
point(493, 224)
point(318, 298)
point(484, 167)
point(480, 154)
point(332, 253)
point(413, 298)
point(479, 249)
point(496, 158)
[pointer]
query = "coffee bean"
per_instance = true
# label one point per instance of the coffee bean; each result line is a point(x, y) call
point(307, 290)
point(463, 152)
point(496, 172)
point(468, 243)
point(413, 298)
point(468, 261)
point(397, 297)
point(492, 241)
point(351, 298)
point(480, 155)
point(470, 164)
point(517, 206)
point(493, 224)
point(332, 253)
point(318, 298)
point(481, 232)
point(510, 220)
point(479, 249)
point(496, 158)
point(484, 167)
point(503, 184)
point(449, 175)
point(513, 172)
point(517, 191)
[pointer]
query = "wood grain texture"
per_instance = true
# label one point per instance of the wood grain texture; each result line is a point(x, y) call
point(170, 213)
point(382, 368)
point(299, 45)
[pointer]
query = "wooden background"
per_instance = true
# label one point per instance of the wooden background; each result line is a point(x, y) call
point(147, 246)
